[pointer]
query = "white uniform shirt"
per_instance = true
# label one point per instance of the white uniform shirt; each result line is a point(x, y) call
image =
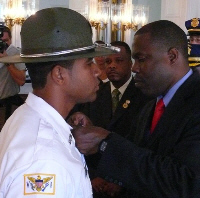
point(38, 157)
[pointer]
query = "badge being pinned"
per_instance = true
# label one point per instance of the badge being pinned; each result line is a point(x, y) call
point(39, 183)
point(125, 105)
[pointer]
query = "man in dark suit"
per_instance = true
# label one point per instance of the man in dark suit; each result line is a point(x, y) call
point(163, 162)
point(131, 101)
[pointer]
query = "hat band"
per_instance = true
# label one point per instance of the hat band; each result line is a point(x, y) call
point(70, 51)
point(194, 30)
point(57, 53)
point(194, 59)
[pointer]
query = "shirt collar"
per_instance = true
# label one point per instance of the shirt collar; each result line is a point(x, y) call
point(123, 87)
point(167, 98)
point(48, 113)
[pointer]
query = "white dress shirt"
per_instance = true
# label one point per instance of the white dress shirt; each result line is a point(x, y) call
point(38, 157)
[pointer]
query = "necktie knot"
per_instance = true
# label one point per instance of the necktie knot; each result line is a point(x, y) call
point(116, 93)
point(160, 107)
point(115, 99)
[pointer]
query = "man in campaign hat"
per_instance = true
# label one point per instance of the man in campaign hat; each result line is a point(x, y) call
point(38, 156)
point(193, 27)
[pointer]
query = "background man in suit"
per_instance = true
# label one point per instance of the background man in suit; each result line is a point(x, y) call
point(163, 162)
point(131, 101)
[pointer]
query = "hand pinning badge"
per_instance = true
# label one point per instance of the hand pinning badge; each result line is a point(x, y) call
point(125, 105)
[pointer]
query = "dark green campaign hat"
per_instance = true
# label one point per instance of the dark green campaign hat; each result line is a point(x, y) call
point(56, 34)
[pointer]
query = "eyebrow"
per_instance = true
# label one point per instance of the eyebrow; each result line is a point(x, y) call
point(137, 54)
point(89, 60)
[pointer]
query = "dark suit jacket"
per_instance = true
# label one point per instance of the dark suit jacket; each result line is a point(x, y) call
point(167, 163)
point(100, 111)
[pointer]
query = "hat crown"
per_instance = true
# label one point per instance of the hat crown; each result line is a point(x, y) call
point(193, 26)
point(55, 29)
point(57, 34)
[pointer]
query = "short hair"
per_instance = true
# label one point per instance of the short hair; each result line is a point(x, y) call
point(122, 44)
point(167, 35)
point(6, 29)
point(38, 71)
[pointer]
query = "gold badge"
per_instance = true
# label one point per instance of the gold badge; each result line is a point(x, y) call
point(39, 183)
point(195, 22)
point(125, 105)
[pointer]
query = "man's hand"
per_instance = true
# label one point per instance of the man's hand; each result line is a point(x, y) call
point(102, 186)
point(3, 54)
point(112, 189)
point(88, 138)
point(98, 184)
point(79, 119)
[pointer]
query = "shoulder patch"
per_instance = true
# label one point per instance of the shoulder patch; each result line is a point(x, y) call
point(39, 183)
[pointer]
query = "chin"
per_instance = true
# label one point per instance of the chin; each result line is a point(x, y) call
point(145, 91)
point(90, 99)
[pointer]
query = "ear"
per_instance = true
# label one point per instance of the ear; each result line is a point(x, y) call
point(58, 74)
point(173, 55)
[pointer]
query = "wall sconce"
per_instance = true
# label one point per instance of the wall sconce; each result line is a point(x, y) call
point(122, 16)
point(16, 11)
point(126, 16)
point(98, 13)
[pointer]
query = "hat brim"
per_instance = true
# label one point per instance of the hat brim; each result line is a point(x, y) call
point(193, 32)
point(77, 55)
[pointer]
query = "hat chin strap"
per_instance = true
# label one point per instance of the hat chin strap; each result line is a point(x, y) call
point(108, 46)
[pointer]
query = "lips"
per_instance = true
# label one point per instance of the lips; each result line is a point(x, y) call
point(112, 73)
point(138, 81)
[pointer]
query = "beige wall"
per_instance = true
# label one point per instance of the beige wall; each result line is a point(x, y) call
point(179, 11)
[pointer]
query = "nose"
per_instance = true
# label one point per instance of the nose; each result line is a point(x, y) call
point(111, 65)
point(135, 67)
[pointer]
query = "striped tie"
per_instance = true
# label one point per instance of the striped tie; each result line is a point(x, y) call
point(115, 99)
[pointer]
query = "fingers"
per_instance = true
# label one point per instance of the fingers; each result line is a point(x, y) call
point(102, 186)
point(88, 138)
point(98, 184)
point(112, 189)
point(79, 119)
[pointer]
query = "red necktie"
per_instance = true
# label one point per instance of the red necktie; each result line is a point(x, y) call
point(160, 107)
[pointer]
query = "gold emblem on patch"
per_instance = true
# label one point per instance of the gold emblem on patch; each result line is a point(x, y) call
point(125, 105)
point(195, 22)
point(39, 184)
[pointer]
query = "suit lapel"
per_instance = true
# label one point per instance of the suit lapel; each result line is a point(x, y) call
point(143, 126)
point(101, 108)
point(175, 111)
